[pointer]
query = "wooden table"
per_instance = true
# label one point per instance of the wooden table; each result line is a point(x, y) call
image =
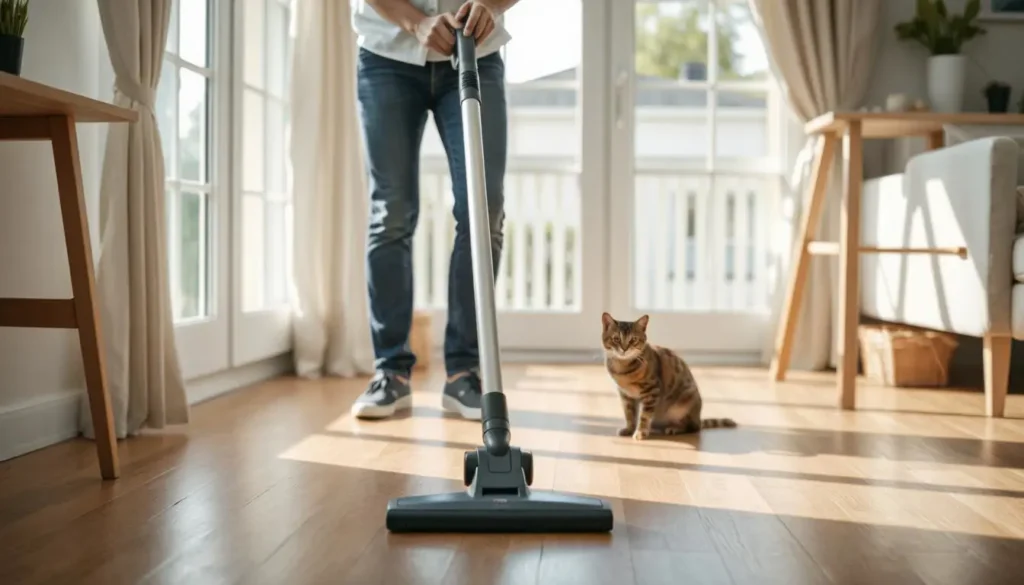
point(33, 111)
point(852, 128)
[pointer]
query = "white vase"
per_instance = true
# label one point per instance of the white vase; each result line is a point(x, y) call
point(946, 77)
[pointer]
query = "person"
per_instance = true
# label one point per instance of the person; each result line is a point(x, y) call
point(404, 70)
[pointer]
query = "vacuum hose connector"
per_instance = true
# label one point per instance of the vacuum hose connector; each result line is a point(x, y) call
point(469, 80)
point(497, 434)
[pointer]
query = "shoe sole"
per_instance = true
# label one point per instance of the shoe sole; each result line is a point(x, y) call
point(377, 411)
point(451, 404)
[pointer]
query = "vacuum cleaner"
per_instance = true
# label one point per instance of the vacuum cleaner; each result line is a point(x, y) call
point(498, 476)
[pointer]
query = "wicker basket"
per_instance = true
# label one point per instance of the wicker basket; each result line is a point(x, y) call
point(901, 356)
point(420, 337)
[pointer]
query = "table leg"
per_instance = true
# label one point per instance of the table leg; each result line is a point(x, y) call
point(849, 265)
point(936, 139)
point(76, 236)
point(814, 205)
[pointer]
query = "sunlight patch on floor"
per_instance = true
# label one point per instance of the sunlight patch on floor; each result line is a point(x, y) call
point(806, 498)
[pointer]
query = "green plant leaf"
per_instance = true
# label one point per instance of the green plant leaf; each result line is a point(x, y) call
point(972, 9)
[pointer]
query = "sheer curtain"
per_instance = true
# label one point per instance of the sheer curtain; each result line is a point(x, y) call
point(822, 52)
point(331, 318)
point(143, 373)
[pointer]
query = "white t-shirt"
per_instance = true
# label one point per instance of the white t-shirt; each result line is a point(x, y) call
point(377, 35)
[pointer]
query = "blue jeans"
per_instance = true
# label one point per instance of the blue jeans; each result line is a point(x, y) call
point(394, 98)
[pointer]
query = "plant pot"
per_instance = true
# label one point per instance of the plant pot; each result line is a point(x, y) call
point(946, 76)
point(10, 54)
point(998, 99)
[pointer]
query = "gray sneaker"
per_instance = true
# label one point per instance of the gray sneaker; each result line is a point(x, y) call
point(462, 396)
point(385, 395)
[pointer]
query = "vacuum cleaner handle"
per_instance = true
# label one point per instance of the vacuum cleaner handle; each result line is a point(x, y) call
point(494, 411)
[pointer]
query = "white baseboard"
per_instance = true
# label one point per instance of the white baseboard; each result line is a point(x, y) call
point(28, 427)
point(214, 385)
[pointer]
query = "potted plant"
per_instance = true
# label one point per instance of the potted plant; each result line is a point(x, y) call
point(13, 18)
point(997, 94)
point(943, 34)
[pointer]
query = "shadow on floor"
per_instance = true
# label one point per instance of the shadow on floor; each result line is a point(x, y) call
point(792, 441)
point(719, 469)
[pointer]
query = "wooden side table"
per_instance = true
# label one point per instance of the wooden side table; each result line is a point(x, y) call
point(33, 111)
point(851, 128)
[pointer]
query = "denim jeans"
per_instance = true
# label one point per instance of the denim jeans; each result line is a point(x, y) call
point(394, 98)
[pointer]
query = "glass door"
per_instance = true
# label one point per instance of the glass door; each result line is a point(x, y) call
point(192, 115)
point(695, 170)
point(550, 290)
point(263, 193)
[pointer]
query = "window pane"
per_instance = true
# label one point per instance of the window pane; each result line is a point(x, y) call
point(254, 42)
point(277, 274)
point(253, 253)
point(192, 272)
point(194, 32)
point(672, 40)
point(166, 116)
point(275, 148)
point(252, 141)
point(671, 115)
point(741, 124)
point(192, 126)
point(172, 30)
point(741, 53)
point(277, 47)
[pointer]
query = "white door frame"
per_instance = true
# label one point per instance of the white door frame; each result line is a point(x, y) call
point(203, 342)
point(264, 333)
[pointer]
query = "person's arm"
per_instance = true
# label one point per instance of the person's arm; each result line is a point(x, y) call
point(479, 15)
point(431, 31)
point(400, 12)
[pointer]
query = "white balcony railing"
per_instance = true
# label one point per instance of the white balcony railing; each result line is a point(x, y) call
point(698, 244)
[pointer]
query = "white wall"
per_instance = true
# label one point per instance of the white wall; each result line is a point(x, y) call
point(901, 69)
point(40, 369)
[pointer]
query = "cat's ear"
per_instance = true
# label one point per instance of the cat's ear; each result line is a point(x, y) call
point(641, 323)
point(606, 320)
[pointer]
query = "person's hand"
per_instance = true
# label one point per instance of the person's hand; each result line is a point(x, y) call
point(478, 18)
point(435, 32)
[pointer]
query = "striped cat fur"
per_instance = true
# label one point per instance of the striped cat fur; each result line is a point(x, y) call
point(658, 391)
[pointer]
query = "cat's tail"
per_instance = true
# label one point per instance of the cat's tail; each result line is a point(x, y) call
point(717, 423)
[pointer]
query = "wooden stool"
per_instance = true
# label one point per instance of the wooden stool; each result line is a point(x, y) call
point(32, 111)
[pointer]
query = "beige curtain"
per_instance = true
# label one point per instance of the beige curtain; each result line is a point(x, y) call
point(143, 374)
point(331, 317)
point(822, 53)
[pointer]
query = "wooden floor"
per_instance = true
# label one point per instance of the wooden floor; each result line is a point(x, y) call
point(276, 484)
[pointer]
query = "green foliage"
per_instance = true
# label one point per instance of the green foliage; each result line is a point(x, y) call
point(937, 30)
point(666, 42)
point(13, 17)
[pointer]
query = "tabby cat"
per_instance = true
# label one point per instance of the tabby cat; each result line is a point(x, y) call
point(657, 388)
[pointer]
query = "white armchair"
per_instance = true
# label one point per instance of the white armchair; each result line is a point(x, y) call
point(962, 195)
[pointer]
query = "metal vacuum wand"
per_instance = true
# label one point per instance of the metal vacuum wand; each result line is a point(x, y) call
point(494, 411)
